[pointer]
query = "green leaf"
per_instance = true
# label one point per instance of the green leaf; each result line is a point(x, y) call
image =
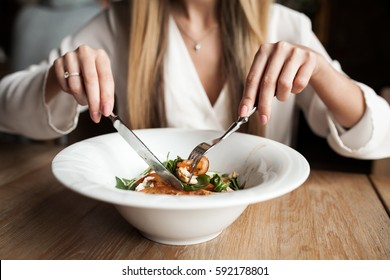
point(203, 181)
point(120, 184)
point(233, 182)
point(171, 165)
point(125, 184)
point(219, 184)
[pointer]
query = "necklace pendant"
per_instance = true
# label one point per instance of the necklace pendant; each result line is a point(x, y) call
point(197, 46)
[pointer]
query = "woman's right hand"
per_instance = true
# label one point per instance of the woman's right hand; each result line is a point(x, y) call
point(95, 85)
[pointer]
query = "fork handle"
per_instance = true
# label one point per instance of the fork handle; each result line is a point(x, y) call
point(113, 117)
point(237, 124)
point(233, 128)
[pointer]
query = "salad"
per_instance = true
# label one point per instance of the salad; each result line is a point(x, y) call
point(203, 182)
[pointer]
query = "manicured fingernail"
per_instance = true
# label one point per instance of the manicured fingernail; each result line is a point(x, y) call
point(263, 119)
point(96, 116)
point(244, 111)
point(106, 109)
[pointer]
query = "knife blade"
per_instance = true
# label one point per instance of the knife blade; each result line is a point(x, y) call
point(143, 151)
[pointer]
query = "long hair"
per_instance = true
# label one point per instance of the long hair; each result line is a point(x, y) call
point(243, 25)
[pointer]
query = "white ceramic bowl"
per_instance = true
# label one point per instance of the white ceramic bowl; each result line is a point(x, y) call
point(269, 169)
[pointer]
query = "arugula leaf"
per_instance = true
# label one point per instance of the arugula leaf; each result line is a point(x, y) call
point(233, 182)
point(219, 184)
point(172, 164)
point(203, 181)
point(120, 184)
point(125, 184)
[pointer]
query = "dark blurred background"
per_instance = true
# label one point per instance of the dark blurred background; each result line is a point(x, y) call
point(355, 32)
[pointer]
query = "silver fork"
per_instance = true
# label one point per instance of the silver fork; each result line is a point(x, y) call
point(204, 147)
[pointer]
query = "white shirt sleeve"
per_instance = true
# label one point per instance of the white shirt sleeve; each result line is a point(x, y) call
point(23, 109)
point(370, 137)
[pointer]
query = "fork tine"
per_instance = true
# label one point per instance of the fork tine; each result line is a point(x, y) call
point(192, 155)
point(195, 162)
point(196, 155)
point(196, 152)
point(202, 148)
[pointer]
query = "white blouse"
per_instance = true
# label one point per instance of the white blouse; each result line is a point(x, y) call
point(187, 104)
point(23, 110)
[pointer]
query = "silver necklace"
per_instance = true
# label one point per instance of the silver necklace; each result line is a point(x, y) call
point(197, 45)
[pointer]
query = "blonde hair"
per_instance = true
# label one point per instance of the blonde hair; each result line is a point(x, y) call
point(243, 29)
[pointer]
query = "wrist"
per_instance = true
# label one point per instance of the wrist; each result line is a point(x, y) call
point(321, 70)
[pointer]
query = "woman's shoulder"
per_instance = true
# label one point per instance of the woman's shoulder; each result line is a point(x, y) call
point(120, 7)
point(118, 14)
point(284, 11)
point(287, 24)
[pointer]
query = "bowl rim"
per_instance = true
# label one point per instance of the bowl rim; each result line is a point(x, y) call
point(297, 175)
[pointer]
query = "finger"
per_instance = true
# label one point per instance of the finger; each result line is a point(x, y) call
point(269, 80)
point(303, 76)
point(91, 82)
point(288, 74)
point(59, 73)
point(253, 80)
point(106, 83)
point(74, 83)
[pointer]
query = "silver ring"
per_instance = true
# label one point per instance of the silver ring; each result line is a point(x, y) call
point(71, 74)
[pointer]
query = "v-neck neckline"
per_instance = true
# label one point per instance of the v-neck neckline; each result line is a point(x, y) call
point(193, 70)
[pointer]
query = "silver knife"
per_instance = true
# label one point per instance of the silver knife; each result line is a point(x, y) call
point(143, 151)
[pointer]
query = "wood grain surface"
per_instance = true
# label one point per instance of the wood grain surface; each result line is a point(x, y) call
point(331, 216)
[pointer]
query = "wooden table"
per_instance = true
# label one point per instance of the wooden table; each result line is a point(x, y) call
point(331, 216)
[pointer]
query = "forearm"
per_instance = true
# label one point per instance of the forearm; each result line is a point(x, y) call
point(341, 95)
point(23, 109)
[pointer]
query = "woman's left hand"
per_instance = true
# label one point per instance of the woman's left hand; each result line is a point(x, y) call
point(278, 69)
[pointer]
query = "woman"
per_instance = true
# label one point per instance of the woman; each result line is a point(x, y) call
point(192, 64)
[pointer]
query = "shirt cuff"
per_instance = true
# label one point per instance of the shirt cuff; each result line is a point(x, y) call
point(355, 138)
point(369, 138)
